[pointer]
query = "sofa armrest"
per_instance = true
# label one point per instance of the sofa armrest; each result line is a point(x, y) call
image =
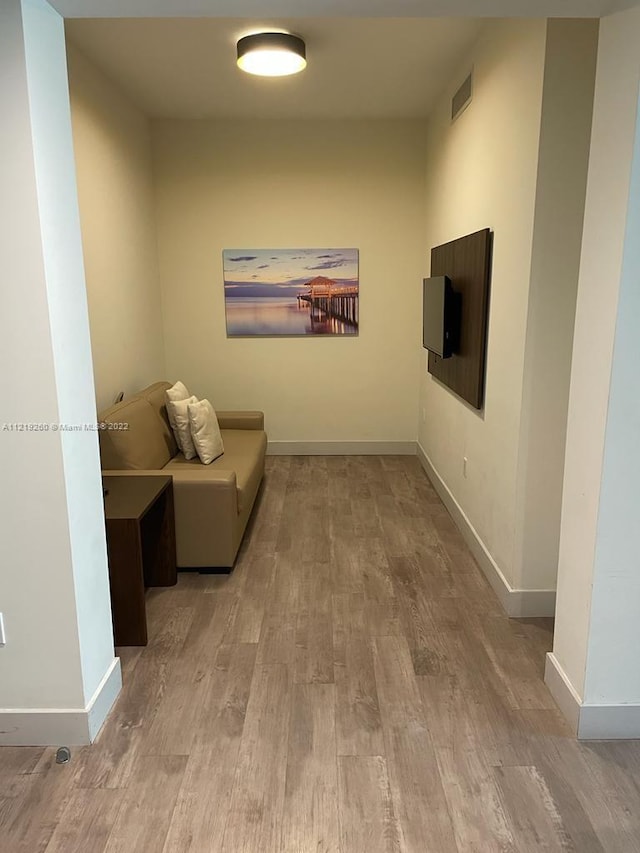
point(189, 482)
point(206, 510)
point(241, 420)
point(135, 472)
point(205, 502)
point(214, 476)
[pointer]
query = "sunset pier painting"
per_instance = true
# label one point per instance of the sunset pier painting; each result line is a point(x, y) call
point(291, 292)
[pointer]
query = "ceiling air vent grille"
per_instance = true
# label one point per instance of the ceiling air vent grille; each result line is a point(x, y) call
point(462, 98)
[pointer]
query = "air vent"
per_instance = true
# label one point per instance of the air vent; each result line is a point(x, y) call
point(462, 98)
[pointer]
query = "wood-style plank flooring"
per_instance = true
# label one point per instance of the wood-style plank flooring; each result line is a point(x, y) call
point(353, 686)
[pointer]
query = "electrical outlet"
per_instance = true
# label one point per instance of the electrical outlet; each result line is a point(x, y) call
point(3, 637)
point(464, 466)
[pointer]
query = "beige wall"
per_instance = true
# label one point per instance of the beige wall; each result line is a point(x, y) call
point(482, 173)
point(601, 608)
point(515, 161)
point(286, 185)
point(565, 133)
point(115, 189)
point(54, 584)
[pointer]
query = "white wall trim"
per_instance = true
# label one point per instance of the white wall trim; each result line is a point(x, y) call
point(103, 699)
point(609, 722)
point(528, 603)
point(518, 603)
point(590, 722)
point(562, 691)
point(341, 448)
point(62, 726)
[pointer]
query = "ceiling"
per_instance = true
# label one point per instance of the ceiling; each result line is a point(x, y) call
point(176, 58)
point(339, 8)
point(358, 68)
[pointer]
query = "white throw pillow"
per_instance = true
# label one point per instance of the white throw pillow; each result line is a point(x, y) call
point(172, 395)
point(205, 431)
point(178, 410)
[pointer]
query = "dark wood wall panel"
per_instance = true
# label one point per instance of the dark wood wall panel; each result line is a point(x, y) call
point(467, 262)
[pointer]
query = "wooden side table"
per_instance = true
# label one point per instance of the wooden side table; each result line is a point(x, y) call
point(141, 545)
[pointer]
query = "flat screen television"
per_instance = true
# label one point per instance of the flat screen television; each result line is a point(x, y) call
point(441, 316)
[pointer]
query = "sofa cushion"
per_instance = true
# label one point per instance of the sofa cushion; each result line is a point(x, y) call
point(155, 394)
point(205, 432)
point(244, 451)
point(179, 416)
point(142, 445)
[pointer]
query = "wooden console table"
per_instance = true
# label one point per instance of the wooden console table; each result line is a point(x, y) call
point(141, 545)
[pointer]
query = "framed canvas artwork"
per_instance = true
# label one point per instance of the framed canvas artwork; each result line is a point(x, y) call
point(291, 292)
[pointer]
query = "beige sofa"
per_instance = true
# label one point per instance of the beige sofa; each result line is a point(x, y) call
point(212, 502)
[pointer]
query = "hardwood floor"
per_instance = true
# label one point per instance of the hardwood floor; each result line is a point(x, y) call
point(352, 687)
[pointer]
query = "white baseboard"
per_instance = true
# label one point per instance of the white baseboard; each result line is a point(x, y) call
point(341, 448)
point(103, 699)
point(590, 722)
point(62, 726)
point(518, 603)
point(525, 603)
point(562, 691)
point(609, 722)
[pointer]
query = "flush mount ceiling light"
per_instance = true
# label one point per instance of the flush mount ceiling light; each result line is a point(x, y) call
point(272, 54)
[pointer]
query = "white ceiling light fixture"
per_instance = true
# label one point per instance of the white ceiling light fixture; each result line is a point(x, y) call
point(272, 54)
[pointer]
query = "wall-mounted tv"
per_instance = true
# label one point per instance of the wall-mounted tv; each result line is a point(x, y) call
point(441, 316)
point(467, 263)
